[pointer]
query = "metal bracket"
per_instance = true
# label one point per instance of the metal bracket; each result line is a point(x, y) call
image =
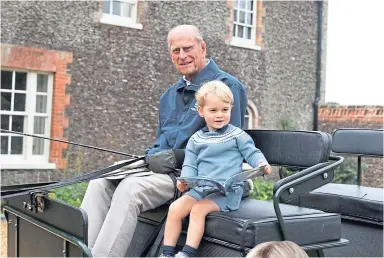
point(36, 202)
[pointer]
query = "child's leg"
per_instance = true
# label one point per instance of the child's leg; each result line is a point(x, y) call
point(178, 210)
point(197, 221)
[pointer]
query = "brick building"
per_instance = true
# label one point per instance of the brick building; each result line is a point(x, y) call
point(93, 71)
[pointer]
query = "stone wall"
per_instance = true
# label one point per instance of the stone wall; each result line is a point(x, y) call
point(118, 74)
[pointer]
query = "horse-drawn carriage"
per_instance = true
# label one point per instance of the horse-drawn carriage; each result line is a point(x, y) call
point(325, 219)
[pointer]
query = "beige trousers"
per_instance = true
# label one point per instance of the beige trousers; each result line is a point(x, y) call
point(113, 207)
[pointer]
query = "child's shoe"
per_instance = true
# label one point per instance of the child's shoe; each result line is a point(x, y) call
point(181, 255)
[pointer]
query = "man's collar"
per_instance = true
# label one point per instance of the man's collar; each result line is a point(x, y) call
point(206, 74)
point(220, 130)
point(186, 81)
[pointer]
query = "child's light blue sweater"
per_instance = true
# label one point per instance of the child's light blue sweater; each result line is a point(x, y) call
point(219, 154)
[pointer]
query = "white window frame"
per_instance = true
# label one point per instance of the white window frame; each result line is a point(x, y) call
point(118, 20)
point(241, 42)
point(28, 160)
point(252, 115)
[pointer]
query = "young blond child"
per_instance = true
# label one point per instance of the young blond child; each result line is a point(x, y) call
point(276, 249)
point(216, 151)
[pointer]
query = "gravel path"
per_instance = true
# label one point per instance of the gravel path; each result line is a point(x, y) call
point(3, 252)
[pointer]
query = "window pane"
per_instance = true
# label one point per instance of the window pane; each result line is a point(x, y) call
point(106, 6)
point(42, 83)
point(21, 81)
point(250, 18)
point(19, 102)
point(235, 16)
point(41, 104)
point(250, 5)
point(234, 30)
point(242, 17)
point(116, 8)
point(249, 33)
point(237, 4)
point(18, 123)
point(5, 122)
point(240, 31)
point(6, 80)
point(16, 145)
point(242, 4)
point(127, 9)
point(39, 125)
point(245, 33)
point(4, 144)
point(38, 146)
point(6, 101)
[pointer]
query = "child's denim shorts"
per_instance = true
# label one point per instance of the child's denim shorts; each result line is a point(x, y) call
point(231, 202)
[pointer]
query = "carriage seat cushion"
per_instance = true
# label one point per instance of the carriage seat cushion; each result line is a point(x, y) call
point(351, 201)
point(227, 226)
point(293, 148)
point(366, 142)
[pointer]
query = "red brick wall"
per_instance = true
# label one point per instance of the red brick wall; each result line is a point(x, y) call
point(34, 59)
point(332, 117)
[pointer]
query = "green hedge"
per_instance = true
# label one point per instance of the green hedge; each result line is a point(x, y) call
point(72, 194)
point(262, 190)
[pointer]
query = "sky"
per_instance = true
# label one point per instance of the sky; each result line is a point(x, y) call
point(355, 52)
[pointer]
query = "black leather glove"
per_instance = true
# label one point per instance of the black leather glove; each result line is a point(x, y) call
point(165, 162)
point(179, 155)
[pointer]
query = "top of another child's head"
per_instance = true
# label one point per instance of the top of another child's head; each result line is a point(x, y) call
point(277, 249)
point(214, 100)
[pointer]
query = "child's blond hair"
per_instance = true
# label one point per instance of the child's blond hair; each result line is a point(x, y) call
point(217, 88)
point(281, 249)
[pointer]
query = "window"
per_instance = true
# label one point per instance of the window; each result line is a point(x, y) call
point(120, 13)
point(26, 100)
point(244, 24)
point(251, 117)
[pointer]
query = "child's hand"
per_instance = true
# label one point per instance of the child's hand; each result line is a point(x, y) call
point(267, 169)
point(181, 186)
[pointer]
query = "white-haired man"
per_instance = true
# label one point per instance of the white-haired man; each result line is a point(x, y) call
point(113, 206)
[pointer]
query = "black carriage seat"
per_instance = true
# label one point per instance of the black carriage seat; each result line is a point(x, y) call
point(303, 226)
point(312, 229)
point(256, 221)
point(260, 220)
point(360, 207)
point(353, 202)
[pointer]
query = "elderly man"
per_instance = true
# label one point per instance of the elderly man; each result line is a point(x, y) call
point(113, 205)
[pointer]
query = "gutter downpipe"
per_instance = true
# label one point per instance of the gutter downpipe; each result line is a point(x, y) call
point(318, 64)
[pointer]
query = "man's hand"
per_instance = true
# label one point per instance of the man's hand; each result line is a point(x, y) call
point(267, 169)
point(181, 186)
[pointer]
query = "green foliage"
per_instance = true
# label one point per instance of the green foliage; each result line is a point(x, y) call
point(72, 194)
point(287, 124)
point(346, 173)
point(2, 206)
point(285, 172)
point(262, 190)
